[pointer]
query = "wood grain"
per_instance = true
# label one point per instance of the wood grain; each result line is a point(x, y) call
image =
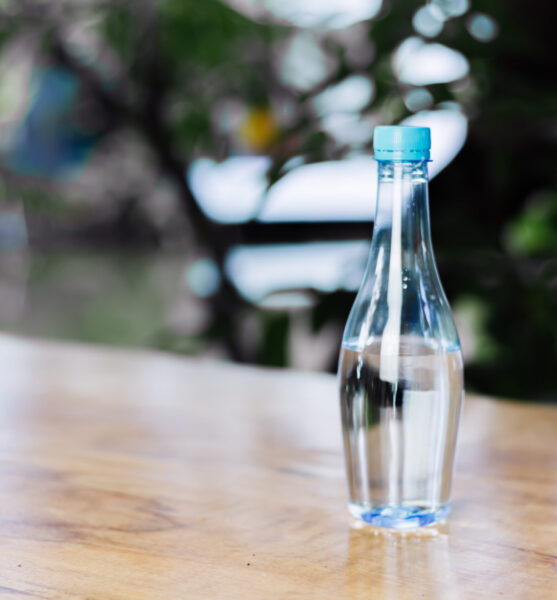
point(143, 476)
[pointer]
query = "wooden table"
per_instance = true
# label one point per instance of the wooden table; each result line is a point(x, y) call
point(143, 476)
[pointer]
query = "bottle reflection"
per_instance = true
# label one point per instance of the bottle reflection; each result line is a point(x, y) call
point(395, 565)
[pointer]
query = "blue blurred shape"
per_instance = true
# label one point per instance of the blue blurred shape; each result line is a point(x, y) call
point(13, 229)
point(49, 142)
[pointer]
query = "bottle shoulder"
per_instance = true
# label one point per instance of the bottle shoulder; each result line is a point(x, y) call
point(422, 311)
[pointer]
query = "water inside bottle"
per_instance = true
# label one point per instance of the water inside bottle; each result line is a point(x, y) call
point(400, 435)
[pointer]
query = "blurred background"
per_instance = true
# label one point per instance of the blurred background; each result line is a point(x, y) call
point(197, 177)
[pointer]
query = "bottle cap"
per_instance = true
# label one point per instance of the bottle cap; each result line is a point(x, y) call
point(397, 142)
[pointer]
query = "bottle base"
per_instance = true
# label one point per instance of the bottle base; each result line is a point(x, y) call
point(399, 517)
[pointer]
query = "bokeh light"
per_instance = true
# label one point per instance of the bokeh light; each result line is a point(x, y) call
point(482, 27)
point(324, 13)
point(419, 63)
point(427, 21)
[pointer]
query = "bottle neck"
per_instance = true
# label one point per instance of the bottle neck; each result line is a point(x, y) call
point(402, 210)
point(401, 295)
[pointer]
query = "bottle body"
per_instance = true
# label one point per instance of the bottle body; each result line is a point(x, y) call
point(400, 371)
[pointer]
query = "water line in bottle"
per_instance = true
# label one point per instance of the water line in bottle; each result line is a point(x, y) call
point(441, 425)
point(362, 442)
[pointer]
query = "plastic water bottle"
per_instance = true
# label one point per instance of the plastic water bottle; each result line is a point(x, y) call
point(401, 384)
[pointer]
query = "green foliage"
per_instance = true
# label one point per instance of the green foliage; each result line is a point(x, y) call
point(200, 35)
point(38, 201)
point(274, 345)
point(110, 299)
point(117, 28)
point(534, 231)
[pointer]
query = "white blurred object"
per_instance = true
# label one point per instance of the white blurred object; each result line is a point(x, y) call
point(328, 191)
point(203, 277)
point(428, 21)
point(350, 95)
point(16, 67)
point(348, 128)
point(258, 271)
point(419, 63)
point(304, 63)
point(482, 27)
point(329, 14)
point(230, 191)
point(418, 99)
point(451, 8)
point(344, 190)
point(448, 134)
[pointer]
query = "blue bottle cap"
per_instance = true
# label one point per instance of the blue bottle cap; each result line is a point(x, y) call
point(396, 142)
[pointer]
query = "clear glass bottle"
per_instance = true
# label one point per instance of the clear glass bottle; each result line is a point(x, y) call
point(400, 371)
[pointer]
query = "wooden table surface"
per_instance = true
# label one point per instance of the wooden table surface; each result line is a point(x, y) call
point(144, 476)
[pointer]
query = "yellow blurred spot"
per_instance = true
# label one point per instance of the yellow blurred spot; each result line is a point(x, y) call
point(259, 129)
